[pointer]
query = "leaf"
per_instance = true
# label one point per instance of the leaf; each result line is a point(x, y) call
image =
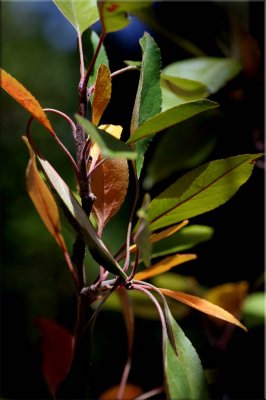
point(142, 236)
point(90, 41)
point(184, 375)
point(43, 199)
point(155, 237)
point(186, 239)
point(148, 98)
point(114, 14)
point(187, 89)
point(254, 309)
point(165, 265)
point(171, 117)
point(212, 72)
point(109, 183)
point(79, 221)
point(229, 296)
point(174, 281)
point(203, 306)
point(109, 145)
point(25, 99)
point(57, 349)
point(200, 190)
point(80, 13)
point(130, 393)
point(102, 93)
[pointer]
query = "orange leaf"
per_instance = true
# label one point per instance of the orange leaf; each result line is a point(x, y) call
point(57, 352)
point(203, 306)
point(25, 99)
point(102, 93)
point(130, 393)
point(165, 265)
point(156, 237)
point(109, 183)
point(43, 199)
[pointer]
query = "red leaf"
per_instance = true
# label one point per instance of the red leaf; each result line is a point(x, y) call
point(57, 352)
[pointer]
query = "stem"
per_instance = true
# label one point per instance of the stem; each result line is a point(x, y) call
point(135, 266)
point(82, 71)
point(127, 260)
point(122, 70)
point(124, 379)
point(150, 394)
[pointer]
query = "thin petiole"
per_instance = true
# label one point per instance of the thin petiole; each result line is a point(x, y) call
point(81, 57)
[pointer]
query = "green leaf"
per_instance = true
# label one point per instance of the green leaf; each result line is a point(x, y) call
point(114, 14)
point(148, 98)
point(142, 236)
point(79, 221)
point(109, 145)
point(185, 88)
point(254, 309)
point(185, 239)
point(212, 72)
point(200, 190)
point(184, 375)
point(80, 13)
point(183, 146)
point(171, 117)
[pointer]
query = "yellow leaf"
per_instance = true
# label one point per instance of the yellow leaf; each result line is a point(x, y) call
point(229, 296)
point(43, 199)
point(102, 93)
point(130, 393)
point(165, 265)
point(155, 237)
point(114, 130)
point(203, 306)
point(25, 99)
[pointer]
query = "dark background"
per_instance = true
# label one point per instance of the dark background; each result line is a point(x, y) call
point(38, 47)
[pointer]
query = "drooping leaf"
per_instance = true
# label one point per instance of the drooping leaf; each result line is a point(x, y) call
point(109, 145)
point(79, 221)
point(57, 352)
point(165, 265)
point(229, 296)
point(185, 239)
point(171, 117)
point(203, 306)
point(114, 14)
point(212, 72)
point(184, 376)
point(43, 200)
point(200, 190)
point(80, 13)
point(130, 393)
point(102, 93)
point(25, 99)
point(148, 98)
point(142, 236)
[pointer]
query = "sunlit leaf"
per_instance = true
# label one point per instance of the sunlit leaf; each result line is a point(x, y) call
point(57, 352)
point(79, 221)
point(184, 376)
point(109, 145)
point(114, 14)
point(43, 200)
point(187, 89)
point(200, 190)
point(165, 265)
point(25, 99)
point(80, 13)
point(171, 117)
point(130, 393)
point(186, 239)
point(203, 306)
point(148, 98)
point(212, 72)
point(102, 93)
point(229, 296)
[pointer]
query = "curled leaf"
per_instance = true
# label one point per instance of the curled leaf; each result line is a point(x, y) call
point(203, 306)
point(102, 93)
point(165, 265)
point(43, 199)
point(25, 99)
point(57, 352)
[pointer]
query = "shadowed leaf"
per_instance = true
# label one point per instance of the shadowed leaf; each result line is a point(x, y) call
point(25, 99)
point(130, 393)
point(102, 93)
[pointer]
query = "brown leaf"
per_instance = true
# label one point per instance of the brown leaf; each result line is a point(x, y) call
point(102, 93)
point(43, 199)
point(203, 306)
point(57, 352)
point(130, 393)
point(164, 265)
point(25, 99)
